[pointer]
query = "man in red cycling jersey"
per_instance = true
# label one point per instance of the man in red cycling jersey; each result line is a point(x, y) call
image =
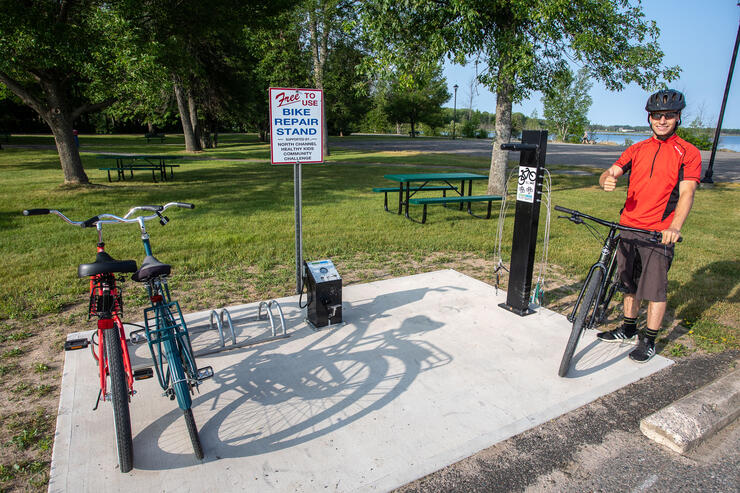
point(663, 173)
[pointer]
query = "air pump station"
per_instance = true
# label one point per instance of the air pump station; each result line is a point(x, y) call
point(324, 287)
point(533, 150)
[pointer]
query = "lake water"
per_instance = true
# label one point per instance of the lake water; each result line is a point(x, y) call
point(729, 142)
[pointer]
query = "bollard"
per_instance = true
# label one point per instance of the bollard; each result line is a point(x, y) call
point(526, 219)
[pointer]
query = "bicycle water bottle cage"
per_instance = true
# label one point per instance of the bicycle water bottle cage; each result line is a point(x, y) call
point(105, 264)
point(151, 267)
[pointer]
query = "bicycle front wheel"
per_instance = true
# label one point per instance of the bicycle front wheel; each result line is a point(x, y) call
point(119, 393)
point(193, 432)
point(587, 303)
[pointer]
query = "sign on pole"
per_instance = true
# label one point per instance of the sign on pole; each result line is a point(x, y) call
point(526, 186)
point(296, 125)
point(296, 137)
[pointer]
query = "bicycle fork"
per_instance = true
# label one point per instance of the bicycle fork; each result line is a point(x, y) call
point(106, 328)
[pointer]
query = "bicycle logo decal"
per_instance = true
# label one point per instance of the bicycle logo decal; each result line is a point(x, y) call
point(527, 175)
point(526, 185)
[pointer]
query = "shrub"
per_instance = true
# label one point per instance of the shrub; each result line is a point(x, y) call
point(691, 136)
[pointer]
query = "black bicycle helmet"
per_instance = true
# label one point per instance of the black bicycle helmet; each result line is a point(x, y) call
point(666, 100)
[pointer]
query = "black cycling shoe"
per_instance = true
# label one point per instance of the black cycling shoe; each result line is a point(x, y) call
point(618, 335)
point(644, 351)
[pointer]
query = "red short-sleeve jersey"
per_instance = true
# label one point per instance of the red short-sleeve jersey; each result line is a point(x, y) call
point(654, 169)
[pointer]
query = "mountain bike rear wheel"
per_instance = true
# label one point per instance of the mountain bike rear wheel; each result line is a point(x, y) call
point(587, 303)
point(119, 392)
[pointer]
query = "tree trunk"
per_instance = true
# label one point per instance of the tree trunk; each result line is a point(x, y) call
point(191, 143)
point(149, 128)
point(319, 40)
point(69, 154)
point(413, 132)
point(197, 125)
point(500, 158)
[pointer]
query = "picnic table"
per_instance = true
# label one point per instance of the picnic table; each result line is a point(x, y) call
point(148, 162)
point(412, 183)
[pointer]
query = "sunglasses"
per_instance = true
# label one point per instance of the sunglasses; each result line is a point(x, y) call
point(669, 115)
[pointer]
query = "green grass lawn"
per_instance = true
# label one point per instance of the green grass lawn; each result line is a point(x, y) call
point(237, 246)
point(241, 232)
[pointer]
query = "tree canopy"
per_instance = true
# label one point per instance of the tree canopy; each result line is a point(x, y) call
point(566, 103)
point(64, 59)
point(418, 100)
point(520, 45)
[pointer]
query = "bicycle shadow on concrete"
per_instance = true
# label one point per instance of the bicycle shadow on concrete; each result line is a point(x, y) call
point(288, 392)
point(597, 356)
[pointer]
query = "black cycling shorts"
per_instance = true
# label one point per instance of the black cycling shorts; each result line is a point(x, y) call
point(643, 266)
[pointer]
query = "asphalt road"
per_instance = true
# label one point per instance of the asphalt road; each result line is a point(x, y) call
point(726, 164)
point(599, 447)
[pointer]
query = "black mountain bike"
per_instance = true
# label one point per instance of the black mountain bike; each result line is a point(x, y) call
point(592, 305)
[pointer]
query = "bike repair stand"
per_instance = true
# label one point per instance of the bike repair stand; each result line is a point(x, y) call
point(526, 219)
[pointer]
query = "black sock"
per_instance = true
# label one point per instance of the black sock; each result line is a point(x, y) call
point(630, 326)
point(651, 334)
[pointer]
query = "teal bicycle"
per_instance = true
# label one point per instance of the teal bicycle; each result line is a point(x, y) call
point(165, 329)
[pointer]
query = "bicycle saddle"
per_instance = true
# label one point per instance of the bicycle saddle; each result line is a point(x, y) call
point(105, 264)
point(150, 267)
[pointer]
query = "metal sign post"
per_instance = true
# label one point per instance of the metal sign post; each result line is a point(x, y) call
point(529, 192)
point(297, 205)
point(296, 137)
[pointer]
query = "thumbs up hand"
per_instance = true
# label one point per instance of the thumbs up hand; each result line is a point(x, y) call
point(610, 180)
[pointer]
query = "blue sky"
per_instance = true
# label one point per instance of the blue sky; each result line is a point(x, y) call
point(697, 35)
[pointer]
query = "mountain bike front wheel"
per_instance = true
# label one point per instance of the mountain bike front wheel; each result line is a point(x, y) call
point(119, 392)
point(587, 303)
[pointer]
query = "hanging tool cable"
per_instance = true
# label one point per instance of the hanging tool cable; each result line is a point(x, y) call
point(538, 293)
point(498, 259)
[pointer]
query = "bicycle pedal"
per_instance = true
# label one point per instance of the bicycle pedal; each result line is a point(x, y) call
point(143, 374)
point(205, 373)
point(74, 344)
point(137, 336)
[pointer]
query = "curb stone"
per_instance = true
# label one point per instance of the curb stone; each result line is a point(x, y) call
point(686, 423)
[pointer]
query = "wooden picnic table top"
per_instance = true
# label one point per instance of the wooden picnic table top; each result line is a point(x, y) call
point(410, 177)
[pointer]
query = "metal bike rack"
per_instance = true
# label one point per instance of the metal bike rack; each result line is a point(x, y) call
point(221, 317)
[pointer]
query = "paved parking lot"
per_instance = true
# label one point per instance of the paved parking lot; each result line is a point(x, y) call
point(726, 164)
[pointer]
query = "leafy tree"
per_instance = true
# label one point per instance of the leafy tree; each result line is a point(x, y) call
point(324, 21)
point(566, 103)
point(201, 47)
point(517, 123)
point(65, 59)
point(523, 44)
point(417, 99)
point(692, 136)
point(533, 122)
point(281, 62)
point(346, 100)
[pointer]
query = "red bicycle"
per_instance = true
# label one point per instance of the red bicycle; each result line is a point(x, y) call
point(109, 346)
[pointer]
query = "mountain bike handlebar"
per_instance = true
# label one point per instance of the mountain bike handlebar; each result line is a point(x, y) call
point(111, 218)
point(577, 217)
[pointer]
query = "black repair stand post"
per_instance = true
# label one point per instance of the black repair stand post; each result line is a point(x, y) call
point(529, 195)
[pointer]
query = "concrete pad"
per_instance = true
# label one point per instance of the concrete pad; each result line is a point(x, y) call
point(427, 370)
point(689, 421)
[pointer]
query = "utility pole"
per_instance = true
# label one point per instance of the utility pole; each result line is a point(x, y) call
point(708, 175)
point(454, 113)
